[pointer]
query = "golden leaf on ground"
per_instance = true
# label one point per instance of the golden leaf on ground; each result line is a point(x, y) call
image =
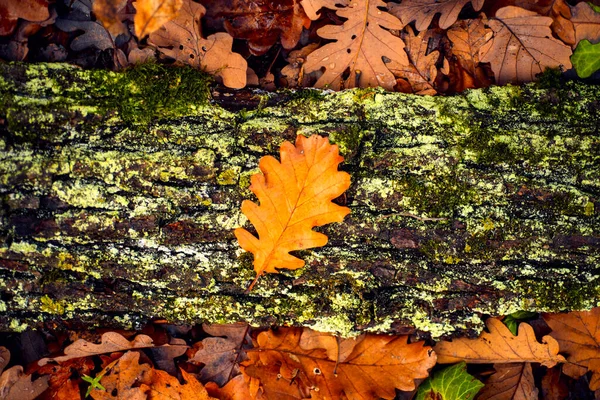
point(578, 334)
point(421, 71)
point(510, 382)
point(295, 196)
point(423, 11)
point(152, 14)
point(522, 46)
point(377, 365)
point(239, 388)
point(110, 343)
point(123, 377)
point(500, 346)
point(181, 40)
point(360, 46)
point(311, 7)
point(586, 22)
point(337, 349)
point(107, 11)
point(15, 385)
point(164, 386)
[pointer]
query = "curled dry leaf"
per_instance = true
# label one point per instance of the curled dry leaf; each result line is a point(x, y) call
point(423, 11)
point(295, 196)
point(360, 46)
point(586, 22)
point(421, 71)
point(221, 355)
point(4, 358)
point(150, 15)
point(29, 10)
point(500, 346)
point(107, 12)
point(180, 39)
point(377, 365)
point(510, 382)
point(110, 343)
point(578, 334)
point(311, 7)
point(522, 46)
point(14, 385)
point(293, 72)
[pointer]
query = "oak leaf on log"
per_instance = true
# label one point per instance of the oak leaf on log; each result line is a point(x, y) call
point(499, 345)
point(376, 365)
point(295, 195)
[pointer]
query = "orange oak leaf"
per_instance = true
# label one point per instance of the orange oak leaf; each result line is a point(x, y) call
point(311, 7)
point(181, 39)
point(107, 12)
point(423, 11)
point(164, 386)
point(578, 334)
point(510, 382)
point(359, 49)
point(150, 15)
point(295, 196)
point(467, 37)
point(522, 46)
point(500, 346)
point(122, 377)
point(377, 365)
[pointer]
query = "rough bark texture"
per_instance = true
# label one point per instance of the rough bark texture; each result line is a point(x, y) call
point(120, 192)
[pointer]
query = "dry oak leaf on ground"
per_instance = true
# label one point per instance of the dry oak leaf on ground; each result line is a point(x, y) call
point(423, 11)
point(260, 22)
point(180, 39)
point(467, 37)
point(578, 334)
point(107, 12)
point(295, 196)
point(360, 46)
point(522, 46)
point(15, 385)
point(500, 346)
point(109, 343)
point(29, 10)
point(510, 382)
point(150, 15)
point(376, 365)
point(311, 7)
point(586, 22)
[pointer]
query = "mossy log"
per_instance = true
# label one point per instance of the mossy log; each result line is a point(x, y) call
point(120, 193)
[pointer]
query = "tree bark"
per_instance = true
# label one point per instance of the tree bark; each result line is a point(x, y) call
point(119, 197)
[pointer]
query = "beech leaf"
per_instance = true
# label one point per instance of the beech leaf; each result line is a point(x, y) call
point(501, 346)
point(451, 383)
point(578, 334)
point(377, 365)
point(359, 48)
point(423, 11)
point(510, 382)
point(522, 46)
point(295, 196)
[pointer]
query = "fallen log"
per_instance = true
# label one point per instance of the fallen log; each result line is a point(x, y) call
point(120, 193)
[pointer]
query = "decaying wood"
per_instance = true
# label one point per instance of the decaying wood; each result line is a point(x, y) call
point(482, 203)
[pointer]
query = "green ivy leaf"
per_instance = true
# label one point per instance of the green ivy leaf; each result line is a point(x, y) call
point(452, 383)
point(595, 7)
point(586, 58)
point(512, 321)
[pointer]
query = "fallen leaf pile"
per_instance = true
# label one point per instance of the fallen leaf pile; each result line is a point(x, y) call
point(414, 46)
point(241, 362)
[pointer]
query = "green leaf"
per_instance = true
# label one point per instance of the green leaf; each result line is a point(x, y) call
point(94, 383)
point(586, 58)
point(595, 7)
point(452, 383)
point(512, 321)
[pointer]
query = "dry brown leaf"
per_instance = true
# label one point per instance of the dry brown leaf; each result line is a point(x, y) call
point(522, 46)
point(510, 382)
point(467, 37)
point(237, 388)
point(122, 379)
point(421, 71)
point(586, 22)
point(311, 7)
point(180, 39)
point(110, 343)
point(500, 346)
point(423, 11)
point(554, 386)
point(578, 334)
point(260, 22)
point(107, 12)
point(558, 10)
point(150, 15)
point(360, 46)
point(163, 386)
point(29, 10)
point(14, 385)
point(293, 71)
point(337, 349)
point(221, 356)
point(295, 196)
point(376, 366)
point(4, 358)
point(64, 378)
